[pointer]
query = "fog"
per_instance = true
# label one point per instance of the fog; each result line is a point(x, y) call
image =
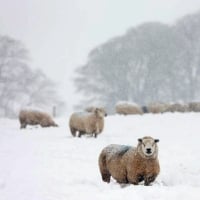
point(60, 34)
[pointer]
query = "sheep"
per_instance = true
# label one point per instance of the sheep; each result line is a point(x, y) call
point(128, 108)
point(128, 164)
point(157, 107)
point(194, 107)
point(177, 107)
point(33, 117)
point(87, 123)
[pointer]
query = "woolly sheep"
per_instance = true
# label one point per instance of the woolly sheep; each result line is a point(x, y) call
point(157, 107)
point(33, 117)
point(87, 123)
point(177, 107)
point(128, 108)
point(194, 107)
point(127, 164)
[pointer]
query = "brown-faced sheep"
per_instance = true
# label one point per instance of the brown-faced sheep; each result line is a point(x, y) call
point(128, 108)
point(130, 165)
point(32, 117)
point(87, 123)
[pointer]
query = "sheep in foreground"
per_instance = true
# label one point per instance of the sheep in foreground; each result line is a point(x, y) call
point(130, 165)
point(87, 123)
point(128, 108)
point(32, 117)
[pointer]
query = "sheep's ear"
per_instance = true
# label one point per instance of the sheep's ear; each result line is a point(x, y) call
point(156, 140)
point(139, 140)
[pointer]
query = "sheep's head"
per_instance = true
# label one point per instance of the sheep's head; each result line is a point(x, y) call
point(147, 147)
point(100, 112)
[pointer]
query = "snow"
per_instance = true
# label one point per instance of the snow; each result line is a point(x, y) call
point(49, 164)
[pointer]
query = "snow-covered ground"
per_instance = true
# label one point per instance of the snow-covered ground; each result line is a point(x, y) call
point(49, 164)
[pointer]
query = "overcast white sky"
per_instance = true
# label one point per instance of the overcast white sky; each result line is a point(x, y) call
point(60, 33)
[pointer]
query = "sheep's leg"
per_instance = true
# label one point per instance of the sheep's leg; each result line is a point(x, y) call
point(149, 179)
point(23, 125)
point(73, 131)
point(140, 178)
point(80, 133)
point(105, 174)
point(95, 135)
point(125, 180)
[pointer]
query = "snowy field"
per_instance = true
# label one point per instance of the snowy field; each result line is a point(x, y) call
point(49, 164)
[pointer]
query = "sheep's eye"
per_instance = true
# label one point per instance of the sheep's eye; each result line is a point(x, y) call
point(143, 144)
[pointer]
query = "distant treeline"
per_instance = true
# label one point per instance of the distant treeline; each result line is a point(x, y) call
point(153, 62)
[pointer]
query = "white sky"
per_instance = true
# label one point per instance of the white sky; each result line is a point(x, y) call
point(60, 33)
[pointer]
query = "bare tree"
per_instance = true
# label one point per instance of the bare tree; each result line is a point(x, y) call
point(20, 86)
point(151, 62)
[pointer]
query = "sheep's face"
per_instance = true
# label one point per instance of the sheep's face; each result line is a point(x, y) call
point(100, 112)
point(148, 146)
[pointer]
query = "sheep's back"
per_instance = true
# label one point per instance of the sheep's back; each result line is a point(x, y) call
point(115, 151)
point(78, 120)
point(29, 117)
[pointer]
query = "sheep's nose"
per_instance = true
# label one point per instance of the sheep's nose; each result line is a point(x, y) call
point(148, 150)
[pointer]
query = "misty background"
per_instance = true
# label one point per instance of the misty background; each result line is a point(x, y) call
point(73, 54)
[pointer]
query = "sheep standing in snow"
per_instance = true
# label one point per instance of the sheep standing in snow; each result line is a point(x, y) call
point(177, 107)
point(32, 117)
point(130, 165)
point(157, 107)
point(128, 108)
point(87, 123)
point(194, 107)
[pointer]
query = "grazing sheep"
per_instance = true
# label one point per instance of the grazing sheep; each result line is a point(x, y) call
point(177, 107)
point(87, 123)
point(128, 108)
point(157, 108)
point(194, 107)
point(130, 165)
point(32, 117)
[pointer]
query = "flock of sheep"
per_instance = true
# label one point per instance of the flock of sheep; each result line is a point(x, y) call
point(125, 164)
point(127, 108)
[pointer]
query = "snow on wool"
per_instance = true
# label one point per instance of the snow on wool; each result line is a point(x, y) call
point(131, 164)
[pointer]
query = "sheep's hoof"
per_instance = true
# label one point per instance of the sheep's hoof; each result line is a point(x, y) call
point(106, 178)
point(149, 180)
